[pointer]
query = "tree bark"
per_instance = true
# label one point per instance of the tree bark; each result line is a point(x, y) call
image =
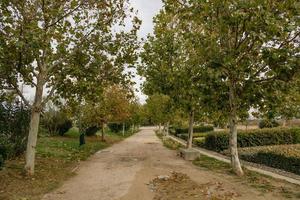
point(123, 131)
point(167, 129)
point(235, 162)
point(34, 127)
point(102, 133)
point(159, 128)
point(191, 130)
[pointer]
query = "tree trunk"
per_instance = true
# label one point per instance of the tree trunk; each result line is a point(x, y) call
point(123, 131)
point(159, 128)
point(191, 130)
point(102, 132)
point(235, 162)
point(132, 128)
point(34, 127)
point(167, 129)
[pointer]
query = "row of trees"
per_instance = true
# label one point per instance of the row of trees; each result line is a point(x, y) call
point(66, 51)
point(222, 58)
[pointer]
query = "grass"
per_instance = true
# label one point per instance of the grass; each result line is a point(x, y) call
point(167, 142)
point(255, 180)
point(56, 159)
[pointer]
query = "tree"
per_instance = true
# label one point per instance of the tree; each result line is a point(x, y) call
point(158, 109)
point(239, 52)
point(57, 44)
point(112, 106)
point(249, 50)
point(171, 66)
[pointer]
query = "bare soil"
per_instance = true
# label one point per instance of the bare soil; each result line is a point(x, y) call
point(141, 168)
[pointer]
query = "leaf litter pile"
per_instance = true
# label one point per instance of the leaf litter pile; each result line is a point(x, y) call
point(179, 186)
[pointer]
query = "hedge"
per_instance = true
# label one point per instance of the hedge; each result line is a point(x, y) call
point(195, 135)
point(219, 141)
point(197, 129)
point(285, 157)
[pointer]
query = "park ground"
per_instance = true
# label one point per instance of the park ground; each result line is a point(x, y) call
point(141, 167)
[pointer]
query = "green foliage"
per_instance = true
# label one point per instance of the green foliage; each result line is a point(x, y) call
point(157, 108)
point(91, 131)
point(197, 129)
point(195, 135)
point(266, 123)
point(118, 127)
point(1, 160)
point(285, 157)
point(219, 141)
point(14, 125)
point(56, 122)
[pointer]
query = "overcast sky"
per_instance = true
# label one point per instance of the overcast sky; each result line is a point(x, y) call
point(147, 9)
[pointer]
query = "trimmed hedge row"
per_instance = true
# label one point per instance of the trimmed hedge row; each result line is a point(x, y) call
point(219, 141)
point(197, 129)
point(195, 135)
point(291, 164)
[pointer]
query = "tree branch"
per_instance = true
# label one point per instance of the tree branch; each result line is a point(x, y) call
point(49, 96)
point(288, 41)
point(64, 16)
point(16, 88)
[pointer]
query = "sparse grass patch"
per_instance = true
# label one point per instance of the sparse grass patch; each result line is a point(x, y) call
point(211, 164)
point(169, 143)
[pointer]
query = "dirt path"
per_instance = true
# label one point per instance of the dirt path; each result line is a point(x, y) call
point(129, 171)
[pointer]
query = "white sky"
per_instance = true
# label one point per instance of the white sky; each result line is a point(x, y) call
point(147, 9)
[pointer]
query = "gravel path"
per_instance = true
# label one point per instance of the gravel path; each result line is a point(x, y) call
point(128, 171)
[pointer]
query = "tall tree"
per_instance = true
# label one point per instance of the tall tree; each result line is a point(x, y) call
point(249, 50)
point(51, 44)
point(169, 65)
point(157, 109)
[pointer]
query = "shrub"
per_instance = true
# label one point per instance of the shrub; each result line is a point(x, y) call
point(268, 123)
point(91, 130)
point(62, 128)
point(285, 157)
point(14, 127)
point(1, 161)
point(197, 129)
point(56, 122)
point(219, 141)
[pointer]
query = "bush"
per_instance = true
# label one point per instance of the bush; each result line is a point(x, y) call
point(56, 122)
point(14, 127)
point(285, 157)
point(219, 141)
point(268, 124)
point(197, 129)
point(1, 161)
point(64, 127)
point(91, 130)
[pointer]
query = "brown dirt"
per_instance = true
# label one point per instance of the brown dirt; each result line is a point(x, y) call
point(140, 168)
